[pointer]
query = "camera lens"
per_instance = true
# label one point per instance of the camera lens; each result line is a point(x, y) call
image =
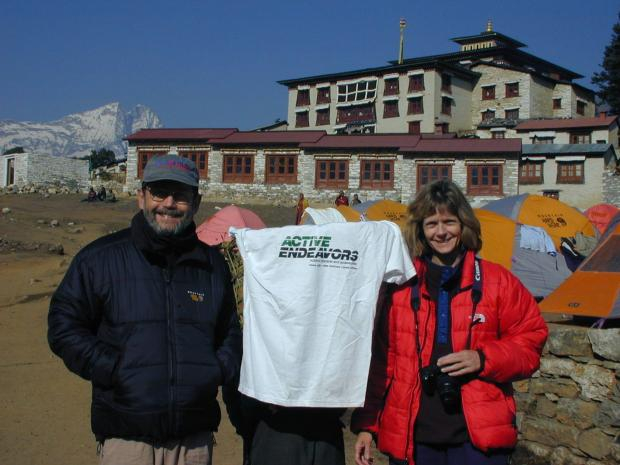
point(449, 390)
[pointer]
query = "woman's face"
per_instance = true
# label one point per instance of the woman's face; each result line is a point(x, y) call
point(443, 234)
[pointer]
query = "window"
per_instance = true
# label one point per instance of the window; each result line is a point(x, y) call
point(238, 168)
point(512, 114)
point(358, 114)
point(200, 159)
point(498, 135)
point(581, 107)
point(441, 128)
point(542, 140)
point(332, 173)
point(557, 103)
point(302, 119)
point(415, 106)
point(281, 169)
point(580, 138)
point(431, 173)
point(416, 82)
point(322, 117)
point(488, 115)
point(377, 174)
point(322, 95)
point(446, 83)
point(391, 87)
point(390, 109)
point(531, 172)
point(303, 97)
point(144, 157)
point(554, 194)
point(414, 127)
point(446, 105)
point(484, 179)
point(512, 89)
point(488, 92)
point(357, 91)
point(570, 172)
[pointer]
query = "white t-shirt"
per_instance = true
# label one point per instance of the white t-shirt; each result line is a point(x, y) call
point(309, 296)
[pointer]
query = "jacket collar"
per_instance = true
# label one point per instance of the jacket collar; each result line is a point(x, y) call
point(467, 270)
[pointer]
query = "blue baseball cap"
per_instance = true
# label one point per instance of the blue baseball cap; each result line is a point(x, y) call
point(171, 167)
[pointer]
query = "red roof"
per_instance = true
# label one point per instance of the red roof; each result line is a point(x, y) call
point(363, 141)
point(180, 134)
point(464, 146)
point(542, 124)
point(269, 137)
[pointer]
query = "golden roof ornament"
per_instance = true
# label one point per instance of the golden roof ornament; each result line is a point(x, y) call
point(489, 26)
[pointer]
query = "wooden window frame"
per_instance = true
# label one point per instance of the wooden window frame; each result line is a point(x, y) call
point(371, 169)
point(512, 89)
point(390, 109)
point(414, 127)
point(446, 83)
point(144, 156)
point(581, 108)
point(391, 86)
point(416, 83)
point(423, 174)
point(446, 105)
point(570, 172)
point(488, 92)
point(583, 137)
point(557, 103)
point(277, 161)
point(507, 113)
point(531, 172)
point(200, 159)
point(498, 135)
point(442, 128)
point(302, 119)
point(480, 188)
point(487, 115)
point(322, 117)
point(230, 162)
point(323, 95)
point(325, 166)
point(303, 98)
point(415, 109)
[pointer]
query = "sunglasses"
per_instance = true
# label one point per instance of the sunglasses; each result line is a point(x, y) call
point(159, 194)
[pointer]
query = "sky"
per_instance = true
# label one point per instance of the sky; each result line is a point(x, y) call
point(216, 63)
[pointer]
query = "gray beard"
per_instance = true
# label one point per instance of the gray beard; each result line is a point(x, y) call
point(186, 220)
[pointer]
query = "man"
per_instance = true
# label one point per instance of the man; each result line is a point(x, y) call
point(342, 199)
point(148, 315)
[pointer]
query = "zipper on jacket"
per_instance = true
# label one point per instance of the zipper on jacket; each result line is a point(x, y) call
point(171, 355)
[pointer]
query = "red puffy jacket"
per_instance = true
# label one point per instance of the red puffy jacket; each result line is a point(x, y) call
point(508, 329)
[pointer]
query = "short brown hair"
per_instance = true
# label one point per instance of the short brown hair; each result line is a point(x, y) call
point(434, 197)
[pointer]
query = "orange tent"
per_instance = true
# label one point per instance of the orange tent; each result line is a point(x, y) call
point(601, 214)
point(594, 288)
point(349, 213)
point(498, 234)
point(384, 210)
point(214, 230)
point(557, 218)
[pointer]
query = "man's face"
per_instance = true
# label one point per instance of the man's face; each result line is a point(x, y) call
point(168, 206)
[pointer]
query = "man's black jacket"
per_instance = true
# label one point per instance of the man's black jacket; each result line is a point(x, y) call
point(155, 339)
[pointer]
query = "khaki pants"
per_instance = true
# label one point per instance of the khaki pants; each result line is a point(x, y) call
point(191, 450)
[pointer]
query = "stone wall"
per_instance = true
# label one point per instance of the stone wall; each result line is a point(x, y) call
point(569, 412)
point(611, 187)
point(40, 169)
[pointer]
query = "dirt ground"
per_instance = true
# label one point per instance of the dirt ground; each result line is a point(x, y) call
point(45, 413)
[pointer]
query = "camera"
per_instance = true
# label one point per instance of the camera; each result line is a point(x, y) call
point(448, 387)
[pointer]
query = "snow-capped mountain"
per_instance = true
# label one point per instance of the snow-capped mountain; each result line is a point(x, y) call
point(77, 134)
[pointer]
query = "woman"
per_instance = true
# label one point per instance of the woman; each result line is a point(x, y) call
point(300, 208)
point(448, 347)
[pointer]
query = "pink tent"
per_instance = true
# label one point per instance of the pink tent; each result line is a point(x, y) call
point(214, 230)
point(601, 214)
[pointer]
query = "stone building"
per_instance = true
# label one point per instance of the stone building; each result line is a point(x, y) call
point(490, 83)
point(276, 166)
point(21, 169)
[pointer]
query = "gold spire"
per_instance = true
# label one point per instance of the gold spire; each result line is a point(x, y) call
point(489, 26)
point(403, 25)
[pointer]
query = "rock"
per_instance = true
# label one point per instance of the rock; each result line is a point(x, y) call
point(54, 223)
point(57, 249)
point(51, 190)
point(521, 386)
point(595, 382)
point(34, 280)
point(563, 456)
point(615, 450)
point(576, 412)
point(595, 443)
point(6, 210)
point(557, 366)
point(608, 414)
point(549, 432)
point(41, 221)
point(568, 340)
point(526, 403)
point(531, 453)
point(77, 230)
point(70, 223)
point(606, 343)
point(46, 196)
point(545, 407)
